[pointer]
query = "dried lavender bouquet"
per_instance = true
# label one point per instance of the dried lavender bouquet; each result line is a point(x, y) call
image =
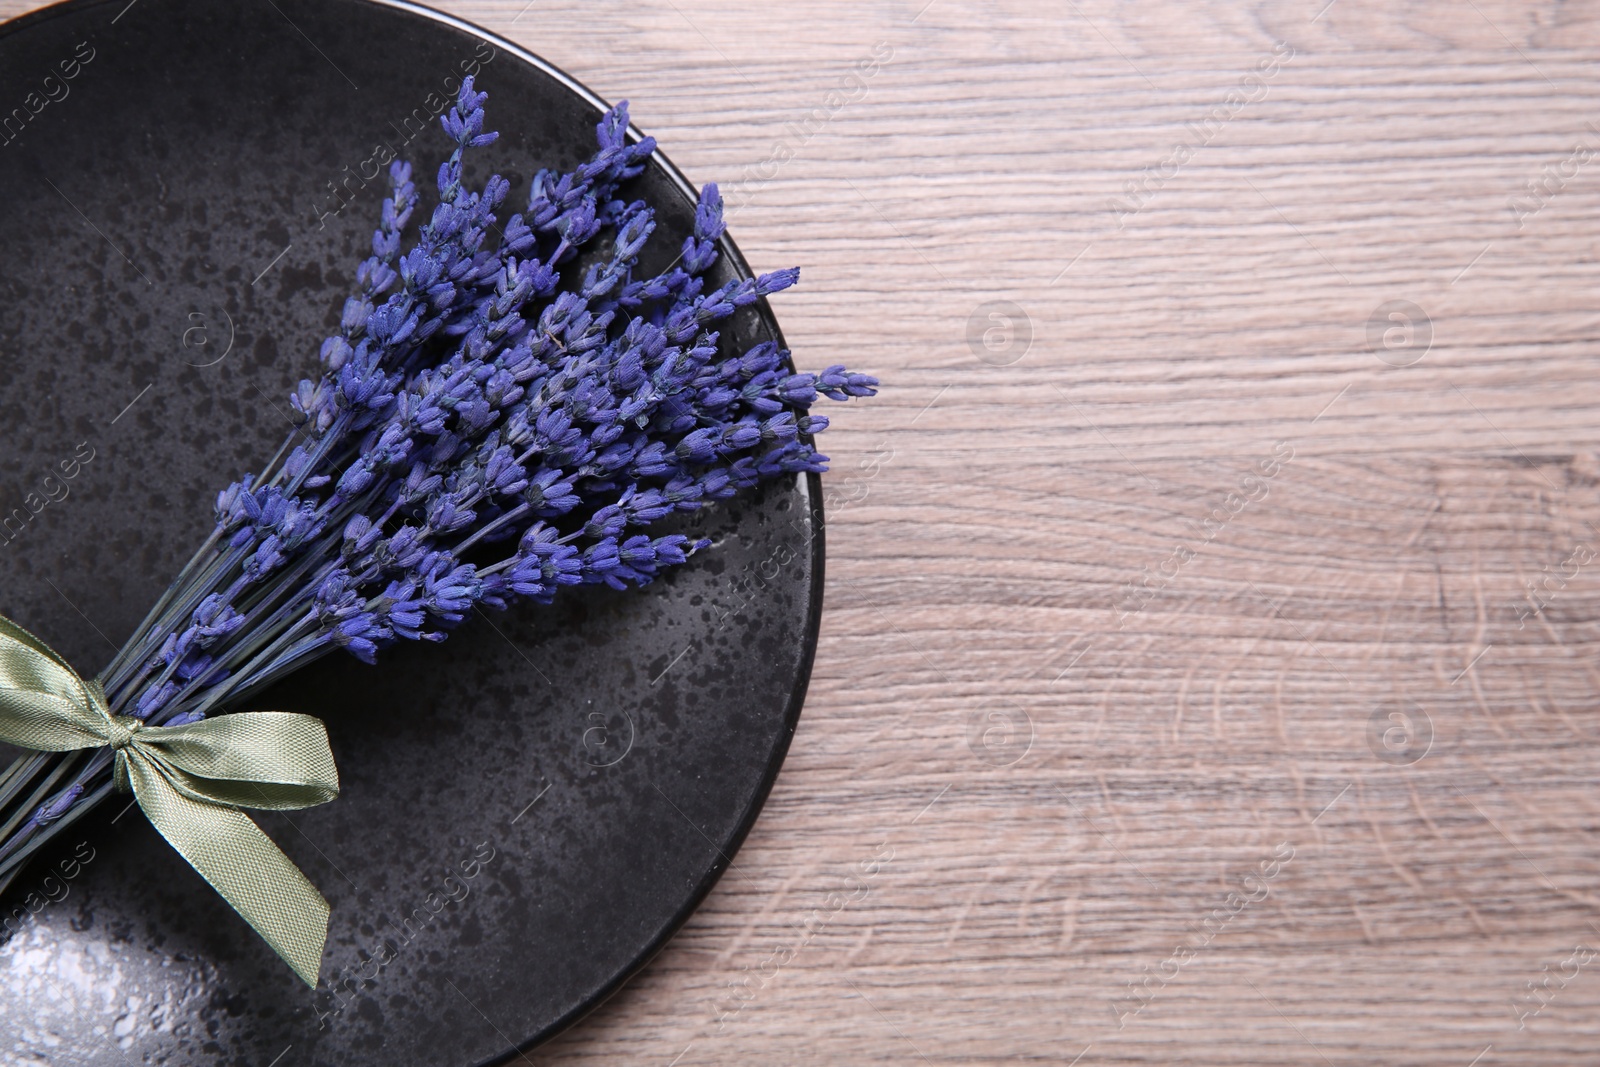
point(489, 424)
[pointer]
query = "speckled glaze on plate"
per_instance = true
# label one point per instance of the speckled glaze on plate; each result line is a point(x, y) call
point(530, 809)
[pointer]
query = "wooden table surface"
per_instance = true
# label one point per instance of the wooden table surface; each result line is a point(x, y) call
point(1208, 672)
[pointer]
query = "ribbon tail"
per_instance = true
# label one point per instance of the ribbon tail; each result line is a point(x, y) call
point(242, 863)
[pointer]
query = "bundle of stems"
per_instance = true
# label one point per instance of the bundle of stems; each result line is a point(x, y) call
point(489, 424)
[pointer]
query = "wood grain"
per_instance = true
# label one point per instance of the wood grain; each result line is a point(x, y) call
point(1023, 779)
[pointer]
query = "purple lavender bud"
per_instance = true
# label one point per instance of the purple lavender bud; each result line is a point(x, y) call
point(404, 550)
point(250, 503)
point(300, 525)
point(405, 613)
point(214, 619)
point(466, 99)
point(356, 313)
point(274, 507)
point(267, 557)
point(576, 226)
point(645, 506)
point(504, 474)
point(355, 478)
point(638, 552)
point(600, 562)
point(421, 483)
point(154, 699)
point(360, 536)
point(336, 351)
point(448, 590)
point(474, 414)
point(708, 223)
point(502, 390)
point(228, 501)
point(652, 460)
point(527, 578)
point(700, 446)
point(780, 427)
point(211, 608)
point(355, 636)
point(444, 516)
point(193, 666)
point(742, 473)
point(52, 810)
point(393, 323)
point(777, 281)
point(741, 435)
point(518, 239)
point(608, 522)
point(836, 383)
point(493, 590)
point(799, 389)
point(612, 130)
point(670, 550)
point(684, 493)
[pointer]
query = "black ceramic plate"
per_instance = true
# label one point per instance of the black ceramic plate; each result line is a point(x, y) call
point(530, 809)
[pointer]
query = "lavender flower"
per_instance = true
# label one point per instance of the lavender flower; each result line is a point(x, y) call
point(491, 422)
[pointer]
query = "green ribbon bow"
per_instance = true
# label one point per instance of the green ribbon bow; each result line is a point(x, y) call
point(190, 781)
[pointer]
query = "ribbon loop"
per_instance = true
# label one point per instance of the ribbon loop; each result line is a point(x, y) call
point(190, 781)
